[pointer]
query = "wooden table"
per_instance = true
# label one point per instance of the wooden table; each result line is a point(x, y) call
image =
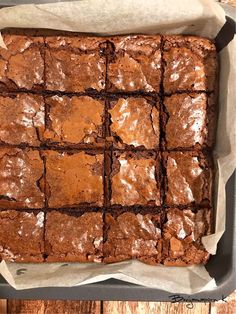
point(118, 307)
point(97, 307)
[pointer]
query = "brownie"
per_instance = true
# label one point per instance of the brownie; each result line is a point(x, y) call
point(135, 122)
point(182, 234)
point(74, 178)
point(75, 120)
point(75, 64)
point(21, 178)
point(133, 236)
point(73, 238)
point(21, 236)
point(191, 121)
point(135, 63)
point(188, 178)
point(21, 119)
point(135, 179)
point(22, 63)
point(190, 64)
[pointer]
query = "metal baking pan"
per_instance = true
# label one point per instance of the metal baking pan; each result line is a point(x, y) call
point(221, 266)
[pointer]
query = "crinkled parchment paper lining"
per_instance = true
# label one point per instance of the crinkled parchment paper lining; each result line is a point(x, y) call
point(200, 17)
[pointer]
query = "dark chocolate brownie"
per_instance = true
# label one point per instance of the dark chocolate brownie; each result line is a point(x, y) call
point(22, 63)
point(75, 120)
point(182, 234)
point(21, 236)
point(191, 121)
point(73, 238)
point(135, 179)
point(71, 95)
point(22, 119)
point(129, 235)
point(188, 178)
point(135, 64)
point(135, 122)
point(75, 64)
point(190, 63)
point(21, 178)
point(74, 178)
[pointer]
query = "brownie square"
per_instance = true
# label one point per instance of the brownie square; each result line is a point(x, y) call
point(75, 64)
point(22, 63)
point(74, 178)
point(21, 178)
point(21, 236)
point(191, 121)
point(188, 178)
point(133, 236)
point(73, 238)
point(182, 234)
point(135, 179)
point(135, 122)
point(135, 64)
point(21, 119)
point(190, 64)
point(75, 120)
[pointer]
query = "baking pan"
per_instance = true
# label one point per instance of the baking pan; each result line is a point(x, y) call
point(221, 266)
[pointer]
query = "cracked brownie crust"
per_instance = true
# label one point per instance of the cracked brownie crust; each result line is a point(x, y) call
point(22, 63)
point(135, 179)
point(75, 121)
point(188, 178)
point(78, 68)
point(105, 147)
point(74, 179)
point(21, 178)
point(135, 122)
point(22, 119)
point(135, 64)
point(182, 233)
point(73, 238)
point(190, 64)
point(130, 235)
point(21, 236)
point(189, 121)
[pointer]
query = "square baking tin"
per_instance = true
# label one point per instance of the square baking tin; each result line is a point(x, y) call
point(221, 266)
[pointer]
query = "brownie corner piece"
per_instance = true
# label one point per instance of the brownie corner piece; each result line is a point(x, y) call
point(22, 63)
point(130, 235)
point(190, 121)
point(21, 178)
point(190, 64)
point(182, 236)
point(75, 121)
point(21, 236)
point(74, 178)
point(75, 64)
point(134, 122)
point(188, 178)
point(135, 178)
point(84, 244)
point(135, 64)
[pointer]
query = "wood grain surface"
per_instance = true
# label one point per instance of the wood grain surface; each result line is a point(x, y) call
point(116, 307)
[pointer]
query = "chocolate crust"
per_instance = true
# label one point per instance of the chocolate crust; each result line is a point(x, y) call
point(135, 179)
point(189, 121)
point(129, 66)
point(22, 236)
point(188, 178)
point(190, 64)
point(134, 122)
point(96, 138)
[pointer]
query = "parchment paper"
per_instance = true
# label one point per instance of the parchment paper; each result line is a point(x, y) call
point(200, 17)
